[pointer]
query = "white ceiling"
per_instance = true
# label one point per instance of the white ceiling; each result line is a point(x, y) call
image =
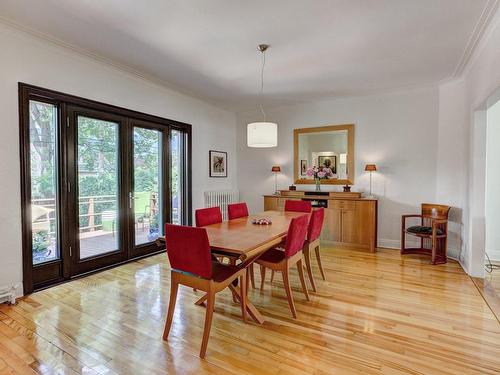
point(320, 48)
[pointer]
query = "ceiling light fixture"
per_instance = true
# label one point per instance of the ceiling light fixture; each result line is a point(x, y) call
point(262, 133)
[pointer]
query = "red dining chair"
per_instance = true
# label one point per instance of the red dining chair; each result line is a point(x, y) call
point(191, 265)
point(312, 242)
point(207, 216)
point(298, 206)
point(295, 206)
point(281, 261)
point(237, 210)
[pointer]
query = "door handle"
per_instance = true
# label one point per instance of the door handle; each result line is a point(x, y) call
point(131, 200)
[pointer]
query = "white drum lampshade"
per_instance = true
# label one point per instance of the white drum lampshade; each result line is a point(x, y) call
point(262, 134)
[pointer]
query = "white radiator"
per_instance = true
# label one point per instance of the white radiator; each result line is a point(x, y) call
point(8, 294)
point(221, 198)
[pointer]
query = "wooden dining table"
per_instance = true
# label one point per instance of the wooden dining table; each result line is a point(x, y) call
point(245, 241)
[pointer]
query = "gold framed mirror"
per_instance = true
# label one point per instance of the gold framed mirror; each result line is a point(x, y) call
point(331, 148)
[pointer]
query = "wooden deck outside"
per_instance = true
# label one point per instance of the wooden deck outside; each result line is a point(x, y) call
point(376, 314)
point(100, 242)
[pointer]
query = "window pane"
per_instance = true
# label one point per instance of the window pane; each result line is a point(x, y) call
point(147, 183)
point(43, 159)
point(177, 173)
point(97, 186)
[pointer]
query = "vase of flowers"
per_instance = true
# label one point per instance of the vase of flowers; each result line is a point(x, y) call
point(319, 173)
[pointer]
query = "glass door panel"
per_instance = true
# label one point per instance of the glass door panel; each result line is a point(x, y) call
point(176, 174)
point(146, 199)
point(98, 186)
point(44, 195)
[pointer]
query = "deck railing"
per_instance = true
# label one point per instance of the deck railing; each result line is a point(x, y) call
point(92, 218)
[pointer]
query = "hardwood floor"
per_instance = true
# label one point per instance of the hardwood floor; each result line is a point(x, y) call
point(377, 313)
point(489, 287)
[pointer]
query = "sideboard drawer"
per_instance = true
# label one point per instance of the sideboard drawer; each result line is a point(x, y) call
point(342, 205)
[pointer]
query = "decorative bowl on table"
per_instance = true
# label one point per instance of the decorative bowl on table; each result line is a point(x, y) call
point(261, 221)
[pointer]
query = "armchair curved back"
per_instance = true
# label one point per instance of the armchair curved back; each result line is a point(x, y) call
point(436, 211)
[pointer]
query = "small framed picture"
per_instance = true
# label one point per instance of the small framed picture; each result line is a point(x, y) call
point(303, 167)
point(217, 163)
point(328, 161)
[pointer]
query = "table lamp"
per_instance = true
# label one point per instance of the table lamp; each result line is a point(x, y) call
point(370, 168)
point(276, 169)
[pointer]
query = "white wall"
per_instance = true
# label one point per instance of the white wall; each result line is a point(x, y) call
point(452, 159)
point(32, 60)
point(398, 132)
point(479, 81)
point(492, 207)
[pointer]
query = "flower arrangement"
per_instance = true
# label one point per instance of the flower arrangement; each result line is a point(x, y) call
point(319, 173)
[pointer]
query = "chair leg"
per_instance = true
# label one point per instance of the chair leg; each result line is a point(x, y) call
point(252, 276)
point(307, 257)
point(318, 257)
point(243, 295)
point(288, 290)
point(232, 262)
point(300, 268)
point(433, 255)
point(174, 286)
point(208, 322)
point(262, 277)
point(272, 276)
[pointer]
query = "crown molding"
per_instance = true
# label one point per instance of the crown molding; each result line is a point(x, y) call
point(479, 33)
point(124, 68)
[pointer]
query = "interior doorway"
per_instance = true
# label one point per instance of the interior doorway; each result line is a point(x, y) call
point(492, 197)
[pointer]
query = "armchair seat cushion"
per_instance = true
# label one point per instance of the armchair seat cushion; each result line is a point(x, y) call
point(419, 229)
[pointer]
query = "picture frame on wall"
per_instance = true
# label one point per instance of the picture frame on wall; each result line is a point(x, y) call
point(303, 167)
point(328, 161)
point(217, 163)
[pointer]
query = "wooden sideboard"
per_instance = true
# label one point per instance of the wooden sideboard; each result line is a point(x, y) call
point(350, 220)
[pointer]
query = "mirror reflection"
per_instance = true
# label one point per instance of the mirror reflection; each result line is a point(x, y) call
point(324, 151)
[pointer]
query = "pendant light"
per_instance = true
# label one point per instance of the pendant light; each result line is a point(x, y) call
point(262, 134)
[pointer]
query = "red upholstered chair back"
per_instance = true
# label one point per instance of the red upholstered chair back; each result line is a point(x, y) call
point(188, 250)
point(298, 206)
point(296, 235)
point(236, 210)
point(207, 216)
point(315, 224)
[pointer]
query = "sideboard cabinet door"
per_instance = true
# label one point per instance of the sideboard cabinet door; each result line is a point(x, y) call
point(332, 225)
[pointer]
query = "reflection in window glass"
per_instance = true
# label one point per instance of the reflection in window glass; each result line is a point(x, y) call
point(43, 161)
point(147, 182)
point(176, 173)
point(98, 177)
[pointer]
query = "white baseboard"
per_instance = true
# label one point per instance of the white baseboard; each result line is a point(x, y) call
point(494, 255)
point(396, 244)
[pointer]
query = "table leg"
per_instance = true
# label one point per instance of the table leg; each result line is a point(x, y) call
point(251, 309)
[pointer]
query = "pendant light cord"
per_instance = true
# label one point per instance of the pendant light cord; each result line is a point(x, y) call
point(262, 85)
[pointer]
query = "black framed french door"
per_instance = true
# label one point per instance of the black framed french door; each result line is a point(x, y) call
point(150, 185)
point(97, 189)
point(98, 182)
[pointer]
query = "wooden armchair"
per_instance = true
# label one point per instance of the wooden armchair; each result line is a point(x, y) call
point(432, 232)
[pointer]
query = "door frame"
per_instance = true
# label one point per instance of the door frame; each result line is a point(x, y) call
point(80, 266)
point(53, 272)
